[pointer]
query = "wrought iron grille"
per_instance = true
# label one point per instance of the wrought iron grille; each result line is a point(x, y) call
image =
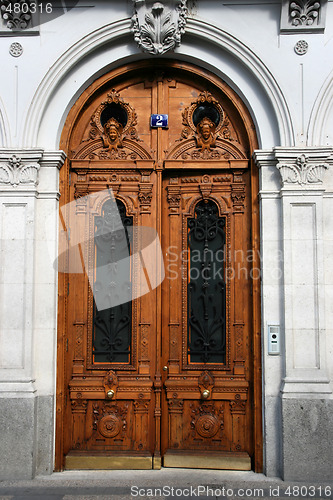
point(206, 285)
point(112, 326)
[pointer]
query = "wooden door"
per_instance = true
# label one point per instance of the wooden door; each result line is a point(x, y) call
point(171, 376)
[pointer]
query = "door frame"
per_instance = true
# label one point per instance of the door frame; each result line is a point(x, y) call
point(73, 115)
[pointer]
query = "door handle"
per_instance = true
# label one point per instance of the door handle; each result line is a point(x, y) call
point(110, 394)
point(165, 368)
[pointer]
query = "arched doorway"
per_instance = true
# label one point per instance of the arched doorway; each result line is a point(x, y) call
point(173, 376)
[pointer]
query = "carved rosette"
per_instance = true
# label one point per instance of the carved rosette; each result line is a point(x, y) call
point(302, 172)
point(207, 420)
point(109, 419)
point(16, 172)
point(158, 28)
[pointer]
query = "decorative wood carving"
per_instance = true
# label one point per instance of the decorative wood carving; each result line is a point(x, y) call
point(207, 420)
point(79, 405)
point(112, 133)
point(145, 195)
point(158, 29)
point(238, 197)
point(144, 334)
point(206, 187)
point(206, 381)
point(176, 405)
point(110, 383)
point(174, 197)
point(206, 133)
point(238, 406)
point(110, 419)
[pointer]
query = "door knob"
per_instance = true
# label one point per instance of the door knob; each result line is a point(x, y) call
point(165, 368)
point(110, 394)
point(205, 394)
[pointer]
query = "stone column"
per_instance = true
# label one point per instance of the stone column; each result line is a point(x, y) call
point(306, 391)
point(27, 343)
point(293, 226)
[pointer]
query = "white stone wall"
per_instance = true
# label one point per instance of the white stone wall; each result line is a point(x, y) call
point(290, 99)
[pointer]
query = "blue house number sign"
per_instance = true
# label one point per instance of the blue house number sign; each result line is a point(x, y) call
point(157, 121)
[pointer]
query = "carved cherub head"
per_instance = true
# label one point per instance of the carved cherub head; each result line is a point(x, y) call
point(112, 134)
point(206, 134)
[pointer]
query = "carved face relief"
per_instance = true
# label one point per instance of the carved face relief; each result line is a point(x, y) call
point(206, 134)
point(112, 135)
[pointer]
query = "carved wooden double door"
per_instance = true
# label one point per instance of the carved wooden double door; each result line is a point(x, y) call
point(169, 373)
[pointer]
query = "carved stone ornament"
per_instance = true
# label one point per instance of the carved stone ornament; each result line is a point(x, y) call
point(302, 171)
point(15, 18)
point(158, 26)
point(15, 49)
point(304, 12)
point(303, 15)
point(301, 47)
point(15, 172)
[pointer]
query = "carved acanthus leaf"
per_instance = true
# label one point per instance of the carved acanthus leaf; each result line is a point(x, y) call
point(158, 29)
point(303, 16)
point(304, 12)
point(15, 15)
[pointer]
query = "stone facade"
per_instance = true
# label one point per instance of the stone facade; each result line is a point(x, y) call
point(278, 58)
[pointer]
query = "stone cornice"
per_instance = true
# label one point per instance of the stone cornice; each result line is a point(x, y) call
point(299, 168)
point(19, 168)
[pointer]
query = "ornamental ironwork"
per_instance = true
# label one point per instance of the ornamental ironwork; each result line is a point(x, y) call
point(206, 285)
point(112, 326)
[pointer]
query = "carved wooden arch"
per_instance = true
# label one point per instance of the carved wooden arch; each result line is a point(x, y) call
point(222, 202)
point(129, 205)
point(110, 81)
